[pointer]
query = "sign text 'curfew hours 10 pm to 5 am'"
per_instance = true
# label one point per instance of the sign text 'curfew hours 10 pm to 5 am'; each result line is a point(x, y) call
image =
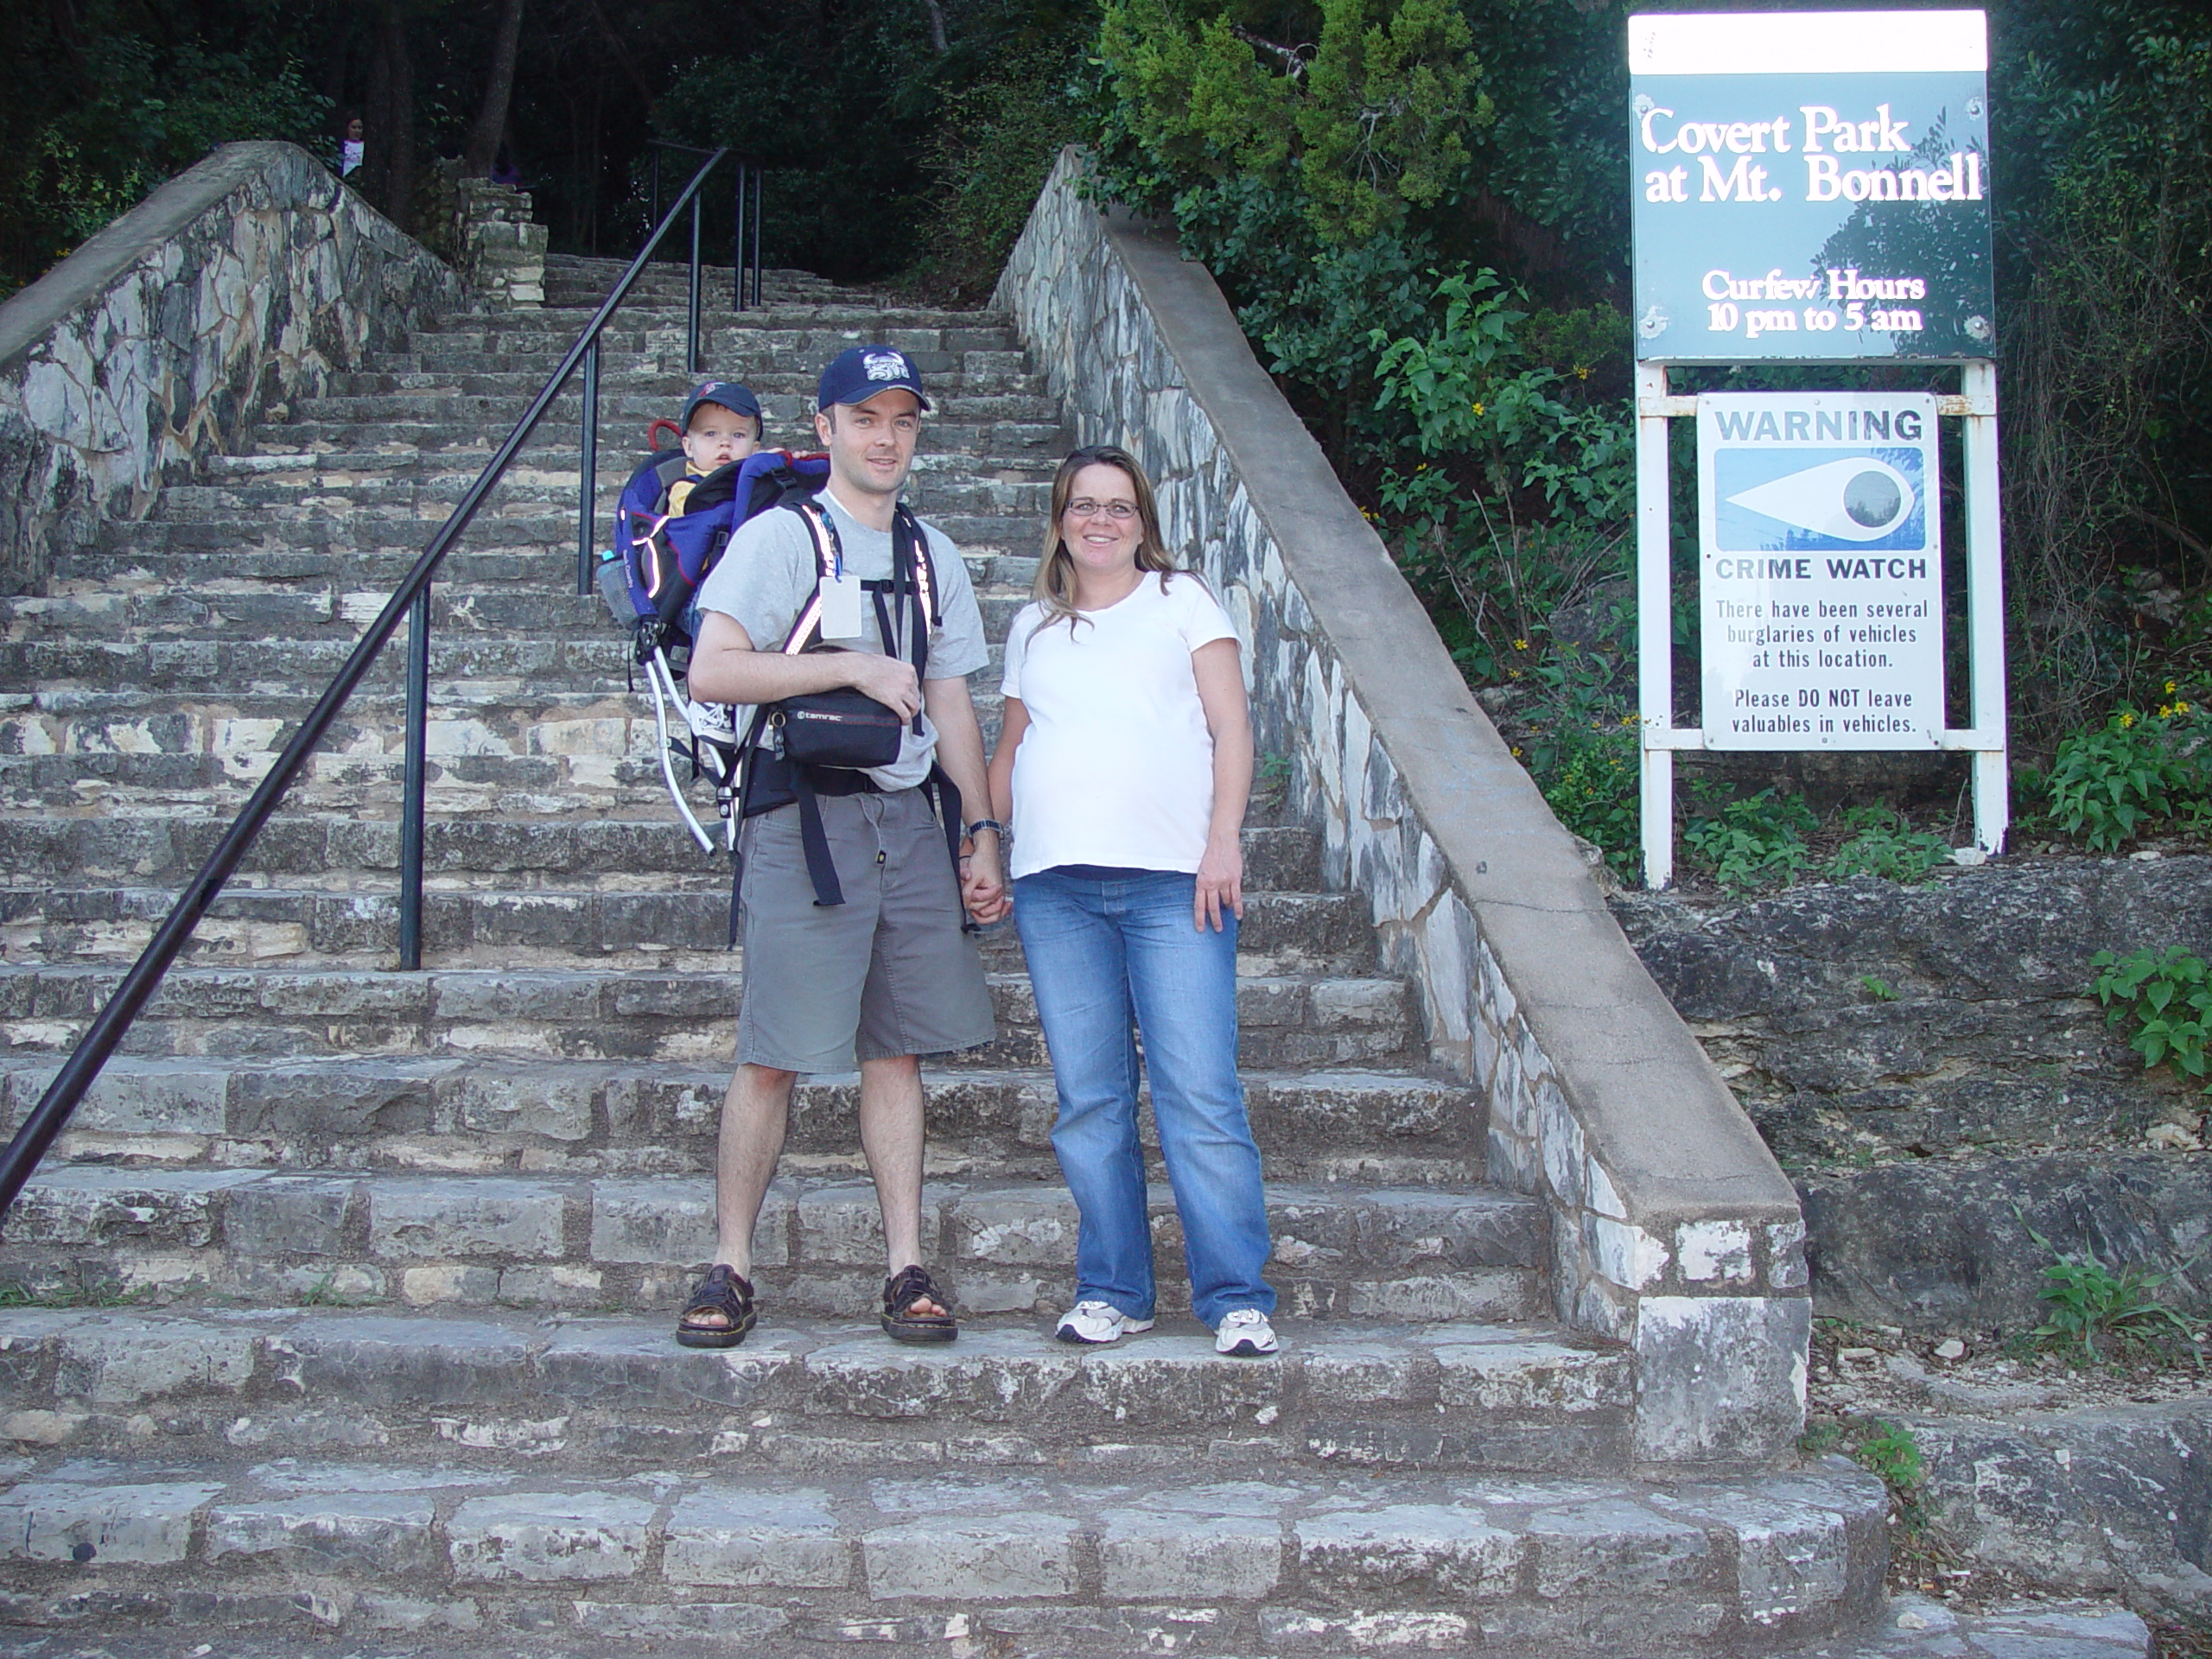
point(1810, 186)
point(1820, 582)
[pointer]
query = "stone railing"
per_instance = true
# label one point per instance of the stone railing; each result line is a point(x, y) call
point(1673, 1227)
point(238, 284)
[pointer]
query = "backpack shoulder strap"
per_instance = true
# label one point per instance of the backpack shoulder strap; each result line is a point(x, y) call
point(828, 557)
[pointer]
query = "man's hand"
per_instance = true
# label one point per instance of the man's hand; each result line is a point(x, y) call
point(983, 887)
point(890, 682)
point(1221, 884)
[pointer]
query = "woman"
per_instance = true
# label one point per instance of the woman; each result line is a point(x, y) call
point(1125, 764)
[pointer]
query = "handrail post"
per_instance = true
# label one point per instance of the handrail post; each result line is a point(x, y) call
point(588, 472)
point(655, 219)
point(760, 194)
point(411, 811)
point(692, 359)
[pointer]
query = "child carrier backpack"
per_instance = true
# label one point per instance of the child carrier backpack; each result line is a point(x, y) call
point(803, 747)
point(650, 578)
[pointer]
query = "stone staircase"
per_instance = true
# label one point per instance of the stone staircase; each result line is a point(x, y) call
point(346, 1302)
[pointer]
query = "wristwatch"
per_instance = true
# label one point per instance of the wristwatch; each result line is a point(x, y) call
point(991, 825)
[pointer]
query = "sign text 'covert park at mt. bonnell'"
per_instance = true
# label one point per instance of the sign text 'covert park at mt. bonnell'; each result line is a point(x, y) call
point(1811, 185)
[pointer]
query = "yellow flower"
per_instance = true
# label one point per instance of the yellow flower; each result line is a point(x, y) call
point(1520, 645)
point(1517, 748)
point(2170, 687)
point(2126, 719)
point(1582, 370)
point(2166, 711)
point(1477, 408)
point(2181, 708)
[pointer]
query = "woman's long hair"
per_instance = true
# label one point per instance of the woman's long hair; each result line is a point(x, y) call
point(1055, 588)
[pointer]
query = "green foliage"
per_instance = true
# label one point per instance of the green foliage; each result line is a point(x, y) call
point(994, 143)
point(1365, 122)
point(151, 114)
point(2087, 1298)
point(1878, 987)
point(2136, 772)
point(1757, 841)
point(2167, 997)
point(96, 1293)
point(1582, 751)
point(1881, 843)
point(1891, 1453)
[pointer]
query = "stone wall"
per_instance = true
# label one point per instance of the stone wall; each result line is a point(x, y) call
point(1934, 1073)
point(1673, 1229)
point(241, 282)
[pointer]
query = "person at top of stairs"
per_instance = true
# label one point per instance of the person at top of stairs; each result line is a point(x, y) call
point(1126, 762)
point(889, 974)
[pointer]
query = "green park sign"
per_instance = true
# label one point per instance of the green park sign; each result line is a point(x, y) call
point(1811, 185)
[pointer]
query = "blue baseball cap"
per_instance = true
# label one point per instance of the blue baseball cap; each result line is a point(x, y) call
point(857, 374)
point(739, 400)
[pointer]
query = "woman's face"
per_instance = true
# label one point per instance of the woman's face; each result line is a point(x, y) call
point(1101, 526)
point(354, 130)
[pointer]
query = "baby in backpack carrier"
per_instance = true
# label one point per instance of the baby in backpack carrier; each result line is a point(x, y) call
point(722, 423)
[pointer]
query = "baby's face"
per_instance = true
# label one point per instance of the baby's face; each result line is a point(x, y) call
point(717, 436)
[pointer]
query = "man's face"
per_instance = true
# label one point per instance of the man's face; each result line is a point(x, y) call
point(717, 436)
point(871, 445)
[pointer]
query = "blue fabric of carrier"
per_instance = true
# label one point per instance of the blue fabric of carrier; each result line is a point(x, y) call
point(771, 781)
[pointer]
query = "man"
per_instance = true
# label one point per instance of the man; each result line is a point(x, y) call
point(887, 974)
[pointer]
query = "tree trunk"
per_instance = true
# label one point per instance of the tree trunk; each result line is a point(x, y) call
point(399, 122)
point(492, 119)
point(937, 26)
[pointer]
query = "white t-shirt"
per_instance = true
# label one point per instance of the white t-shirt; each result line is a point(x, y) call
point(1116, 768)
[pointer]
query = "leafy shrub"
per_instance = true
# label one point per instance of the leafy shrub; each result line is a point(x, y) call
point(2136, 772)
point(1757, 841)
point(2168, 996)
point(1881, 844)
point(1582, 751)
point(2087, 1298)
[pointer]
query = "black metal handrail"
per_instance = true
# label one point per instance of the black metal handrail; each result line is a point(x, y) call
point(745, 271)
point(411, 598)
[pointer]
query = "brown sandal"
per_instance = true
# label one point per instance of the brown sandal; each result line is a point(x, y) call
point(722, 1291)
point(901, 1324)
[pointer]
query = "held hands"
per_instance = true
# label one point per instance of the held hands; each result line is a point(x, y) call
point(890, 682)
point(1221, 884)
point(983, 888)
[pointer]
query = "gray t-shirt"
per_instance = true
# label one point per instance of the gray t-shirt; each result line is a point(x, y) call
point(767, 574)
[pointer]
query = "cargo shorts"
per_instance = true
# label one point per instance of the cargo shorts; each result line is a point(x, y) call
point(885, 973)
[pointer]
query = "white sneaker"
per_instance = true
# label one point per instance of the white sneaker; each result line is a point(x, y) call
point(1098, 1322)
point(1244, 1333)
point(714, 722)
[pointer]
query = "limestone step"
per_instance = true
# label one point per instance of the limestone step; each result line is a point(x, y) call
point(790, 1552)
point(1002, 1244)
point(299, 612)
point(1287, 1022)
point(581, 1391)
point(999, 400)
point(1281, 932)
point(536, 558)
point(483, 1075)
point(253, 506)
point(546, 466)
point(394, 443)
point(345, 853)
point(789, 367)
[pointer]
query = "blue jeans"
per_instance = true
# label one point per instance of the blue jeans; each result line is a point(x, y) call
point(1113, 953)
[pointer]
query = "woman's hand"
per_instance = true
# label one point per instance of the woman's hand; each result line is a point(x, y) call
point(983, 888)
point(1221, 884)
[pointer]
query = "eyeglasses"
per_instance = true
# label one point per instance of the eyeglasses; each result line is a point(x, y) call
point(1120, 511)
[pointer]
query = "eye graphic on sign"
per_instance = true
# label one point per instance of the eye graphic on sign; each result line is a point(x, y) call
point(1856, 499)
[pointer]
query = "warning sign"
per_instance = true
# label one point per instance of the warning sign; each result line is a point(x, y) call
point(1821, 571)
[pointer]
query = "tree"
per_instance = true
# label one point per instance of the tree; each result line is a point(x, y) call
point(499, 84)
